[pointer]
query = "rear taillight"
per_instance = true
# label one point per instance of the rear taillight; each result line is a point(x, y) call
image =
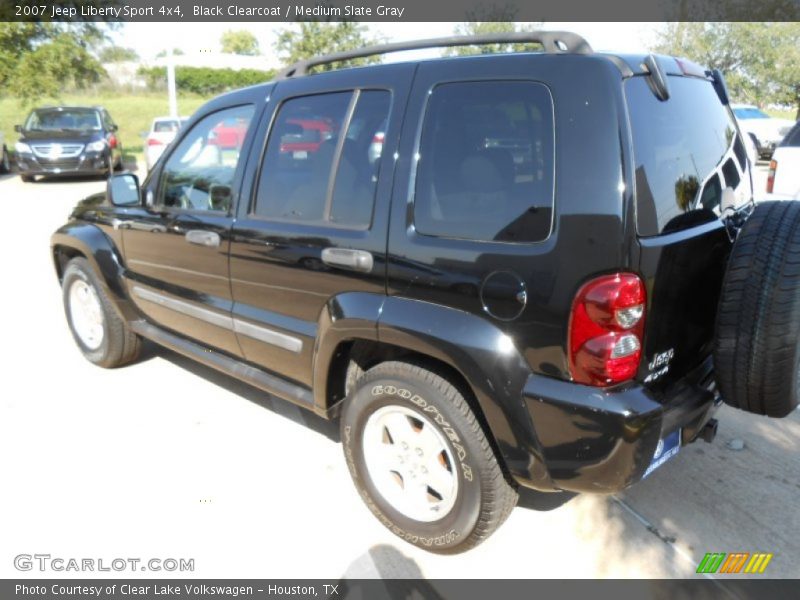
point(606, 330)
point(112, 141)
point(378, 138)
point(773, 166)
point(154, 142)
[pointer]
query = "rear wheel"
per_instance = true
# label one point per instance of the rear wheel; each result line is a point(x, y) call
point(757, 349)
point(102, 336)
point(420, 460)
point(27, 178)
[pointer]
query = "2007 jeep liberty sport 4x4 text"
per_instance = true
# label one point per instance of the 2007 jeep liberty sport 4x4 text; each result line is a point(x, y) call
point(539, 269)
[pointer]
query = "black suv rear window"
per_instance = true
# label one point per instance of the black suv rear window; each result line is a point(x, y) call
point(485, 168)
point(792, 138)
point(683, 149)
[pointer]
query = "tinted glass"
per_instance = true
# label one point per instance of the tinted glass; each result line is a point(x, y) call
point(485, 169)
point(165, 126)
point(749, 113)
point(306, 150)
point(69, 119)
point(679, 146)
point(359, 165)
point(199, 173)
point(793, 137)
point(297, 165)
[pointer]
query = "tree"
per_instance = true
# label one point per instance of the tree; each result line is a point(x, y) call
point(312, 38)
point(112, 54)
point(487, 27)
point(175, 52)
point(40, 60)
point(239, 42)
point(760, 61)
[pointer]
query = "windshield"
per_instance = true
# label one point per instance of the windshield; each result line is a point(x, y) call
point(749, 113)
point(166, 126)
point(63, 119)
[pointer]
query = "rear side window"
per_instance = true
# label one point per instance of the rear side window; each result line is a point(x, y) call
point(792, 138)
point(683, 148)
point(322, 160)
point(485, 165)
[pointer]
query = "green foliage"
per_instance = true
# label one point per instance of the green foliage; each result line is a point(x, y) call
point(112, 54)
point(40, 60)
point(203, 80)
point(239, 42)
point(488, 27)
point(175, 52)
point(761, 61)
point(309, 39)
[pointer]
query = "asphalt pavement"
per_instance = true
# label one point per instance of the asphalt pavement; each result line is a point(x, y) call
point(168, 459)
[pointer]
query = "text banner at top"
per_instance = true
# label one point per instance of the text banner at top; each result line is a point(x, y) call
point(399, 10)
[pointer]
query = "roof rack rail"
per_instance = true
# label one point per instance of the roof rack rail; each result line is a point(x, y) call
point(554, 42)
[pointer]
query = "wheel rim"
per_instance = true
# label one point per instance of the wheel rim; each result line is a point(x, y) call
point(410, 463)
point(86, 314)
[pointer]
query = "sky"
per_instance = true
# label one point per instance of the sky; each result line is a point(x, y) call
point(148, 39)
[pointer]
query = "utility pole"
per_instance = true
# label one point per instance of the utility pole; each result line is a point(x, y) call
point(173, 100)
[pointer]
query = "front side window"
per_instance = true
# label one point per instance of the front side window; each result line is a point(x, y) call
point(199, 173)
point(322, 160)
point(485, 165)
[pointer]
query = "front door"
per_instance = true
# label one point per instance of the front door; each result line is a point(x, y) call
point(317, 221)
point(176, 247)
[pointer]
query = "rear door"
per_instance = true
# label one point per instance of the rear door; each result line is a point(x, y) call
point(316, 221)
point(689, 163)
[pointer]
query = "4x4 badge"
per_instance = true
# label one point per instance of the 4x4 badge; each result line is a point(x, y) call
point(659, 366)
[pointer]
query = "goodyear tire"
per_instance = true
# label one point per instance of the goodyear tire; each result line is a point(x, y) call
point(420, 460)
point(757, 346)
point(102, 336)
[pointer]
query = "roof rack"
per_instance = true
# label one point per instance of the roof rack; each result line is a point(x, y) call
point(554, 42)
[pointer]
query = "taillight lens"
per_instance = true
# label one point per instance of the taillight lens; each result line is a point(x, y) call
point(773, 166)
point(112, 141)
point(378, 138)
point(154, 142)
point(606, 330)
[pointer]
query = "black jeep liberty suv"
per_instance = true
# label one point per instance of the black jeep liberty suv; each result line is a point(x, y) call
point(539, 269)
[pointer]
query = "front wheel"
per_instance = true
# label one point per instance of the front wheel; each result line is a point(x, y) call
point(5, 161)
point(421, 461)
point(102, 336)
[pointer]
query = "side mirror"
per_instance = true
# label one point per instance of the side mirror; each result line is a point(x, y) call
point(115, 128)
point(123, 190)
point(18, 128)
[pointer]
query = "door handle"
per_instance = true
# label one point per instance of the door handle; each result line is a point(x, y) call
point(202, 238)
point(356, 260)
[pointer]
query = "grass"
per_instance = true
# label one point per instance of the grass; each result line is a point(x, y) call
point(133, 113)
point(781, 114)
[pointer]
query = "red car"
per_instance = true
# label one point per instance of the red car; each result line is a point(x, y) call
point(229, 134)
point(314, 133)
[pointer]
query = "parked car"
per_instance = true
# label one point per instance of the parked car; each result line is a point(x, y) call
point(162, 132)
point(5, 161)
point(68, 140)
point(783, 181)
point(562, 310)
point(765, 131)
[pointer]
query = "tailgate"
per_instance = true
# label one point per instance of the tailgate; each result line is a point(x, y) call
point(689, 163)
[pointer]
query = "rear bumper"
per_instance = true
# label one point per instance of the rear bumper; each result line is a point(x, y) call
point(596, 440)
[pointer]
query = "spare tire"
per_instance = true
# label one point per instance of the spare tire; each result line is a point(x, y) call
point(757, 345)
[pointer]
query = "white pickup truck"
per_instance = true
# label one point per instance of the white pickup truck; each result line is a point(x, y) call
point(783, 181)
point(5, 161)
